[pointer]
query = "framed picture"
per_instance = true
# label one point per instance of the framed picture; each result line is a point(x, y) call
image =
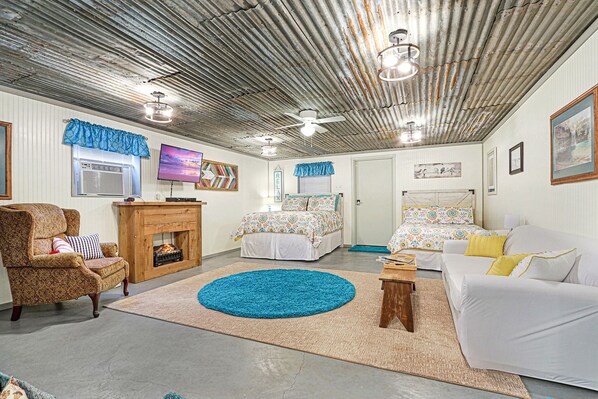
point(278, 185)
point(218, 176)
point(5, 161)
point(436, 170)
point(516, 159)
point(491, 172)
point(573, 140)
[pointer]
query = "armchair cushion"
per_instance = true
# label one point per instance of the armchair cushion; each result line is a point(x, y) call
point(60, 260)
point(109, 249)
point(88, 246)
point(104, 267)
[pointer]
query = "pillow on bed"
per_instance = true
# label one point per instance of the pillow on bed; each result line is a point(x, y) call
point(294, 204)
point(420, 215)
point(322, 203)
point(454, 215)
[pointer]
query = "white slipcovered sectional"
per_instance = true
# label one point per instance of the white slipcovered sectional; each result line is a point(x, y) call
point(541, 329)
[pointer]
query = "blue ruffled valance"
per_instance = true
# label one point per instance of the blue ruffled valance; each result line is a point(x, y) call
point(89, 135)
point(314, 169)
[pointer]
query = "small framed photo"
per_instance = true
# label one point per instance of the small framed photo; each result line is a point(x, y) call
point(516, 159)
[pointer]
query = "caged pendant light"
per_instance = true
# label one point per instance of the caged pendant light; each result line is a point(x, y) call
point(157, 111)
point(269, 150)
point(412, 136)
point(398, 61)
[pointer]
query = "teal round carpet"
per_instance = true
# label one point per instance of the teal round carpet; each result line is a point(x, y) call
point(277, 293)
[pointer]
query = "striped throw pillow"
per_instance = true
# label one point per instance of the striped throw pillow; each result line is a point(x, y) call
point(88, 246)
point(63, 247)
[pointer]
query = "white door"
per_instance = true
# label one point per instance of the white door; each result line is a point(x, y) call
point(373, 181)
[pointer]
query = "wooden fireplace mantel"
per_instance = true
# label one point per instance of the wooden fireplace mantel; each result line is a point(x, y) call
point(139, 221)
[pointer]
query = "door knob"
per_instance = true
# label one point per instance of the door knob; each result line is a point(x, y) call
point(358, 202)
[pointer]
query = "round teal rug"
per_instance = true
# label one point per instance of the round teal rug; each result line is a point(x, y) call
point(277, 293)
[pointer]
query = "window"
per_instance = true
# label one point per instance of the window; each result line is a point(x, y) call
point(98, 173)
point(315, 184)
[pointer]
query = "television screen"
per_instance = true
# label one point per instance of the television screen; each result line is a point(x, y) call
point(179, 164)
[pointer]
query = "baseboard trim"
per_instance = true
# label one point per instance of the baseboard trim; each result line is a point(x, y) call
point(5, 306)
point(220, 253)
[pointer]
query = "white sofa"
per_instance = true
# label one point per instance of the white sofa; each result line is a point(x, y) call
point(541, 329)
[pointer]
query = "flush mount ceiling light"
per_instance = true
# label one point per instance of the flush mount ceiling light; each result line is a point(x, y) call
point(412, 136)
point(397, 62)
point(269, 150)
point(157, 111)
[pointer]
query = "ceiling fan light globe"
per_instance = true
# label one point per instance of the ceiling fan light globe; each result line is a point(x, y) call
point(308, 130)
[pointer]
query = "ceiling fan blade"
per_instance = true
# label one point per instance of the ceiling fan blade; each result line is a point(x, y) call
point(339, 118)
point(320, 129)
point(294, 116)
point(288, 126)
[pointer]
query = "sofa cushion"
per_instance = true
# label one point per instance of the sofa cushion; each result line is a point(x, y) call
point(533, 239)
point(105, 267)
point(548, 266)
point(455, 267)
point(49, 220)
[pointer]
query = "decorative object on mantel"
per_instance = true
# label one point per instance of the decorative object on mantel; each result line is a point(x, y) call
point(491, 172)
point(436, 170)
point(314, 169)
point(573, 140)
point(516, 159)
point(104, 138)
point(397, 62)
point(278, 184)
point(5, 161)
point(157, 111)
point(218, 176)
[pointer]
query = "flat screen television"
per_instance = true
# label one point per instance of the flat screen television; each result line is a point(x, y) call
point(179, 164)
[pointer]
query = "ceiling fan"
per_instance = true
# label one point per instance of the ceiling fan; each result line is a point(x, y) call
point(310, 122)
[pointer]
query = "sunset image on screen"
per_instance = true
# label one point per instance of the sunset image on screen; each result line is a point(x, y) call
point(179, 164)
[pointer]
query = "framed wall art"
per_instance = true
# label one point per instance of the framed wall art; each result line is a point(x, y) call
point(516, 159)
point(491, 172)
point(573, 140)
point(278, 185)
point(5, 161)
point(436, 170)
point(218, 176)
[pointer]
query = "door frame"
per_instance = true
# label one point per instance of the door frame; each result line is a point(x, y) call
point(393, 176)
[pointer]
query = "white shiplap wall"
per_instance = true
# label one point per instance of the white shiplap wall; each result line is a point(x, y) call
point(42, 173)
point(342, 181)
point(569, 207)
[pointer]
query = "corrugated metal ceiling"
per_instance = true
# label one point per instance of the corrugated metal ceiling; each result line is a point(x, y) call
point(232, 68)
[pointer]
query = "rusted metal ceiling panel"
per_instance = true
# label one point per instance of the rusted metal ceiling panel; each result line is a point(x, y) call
point(231, 68)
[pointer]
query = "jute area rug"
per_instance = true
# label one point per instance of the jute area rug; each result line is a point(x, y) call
point(349, 333)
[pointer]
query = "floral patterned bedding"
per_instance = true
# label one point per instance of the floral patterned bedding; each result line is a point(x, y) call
point(312, 224)
point(429, 236)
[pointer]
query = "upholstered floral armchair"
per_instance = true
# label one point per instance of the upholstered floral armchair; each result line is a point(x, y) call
point(38, 277)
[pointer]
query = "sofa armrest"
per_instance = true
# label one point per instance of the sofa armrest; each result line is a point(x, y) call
point(109, 249)
point(527, 324)
point(455, 247)
point(58, 261)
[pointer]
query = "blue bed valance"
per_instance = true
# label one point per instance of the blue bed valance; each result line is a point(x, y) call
point(89, 135)
point(314, 169)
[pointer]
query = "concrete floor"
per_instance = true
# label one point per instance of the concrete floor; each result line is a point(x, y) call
point(62, 350)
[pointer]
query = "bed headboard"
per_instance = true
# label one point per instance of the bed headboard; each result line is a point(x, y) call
point(427, 198)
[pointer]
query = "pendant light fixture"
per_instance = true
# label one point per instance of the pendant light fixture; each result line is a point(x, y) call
point(157, 111)
point(398, 62)
point(269, 150)
point(412, 136)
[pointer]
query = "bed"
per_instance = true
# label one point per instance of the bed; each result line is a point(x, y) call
point(309, 227)
point(429, 219)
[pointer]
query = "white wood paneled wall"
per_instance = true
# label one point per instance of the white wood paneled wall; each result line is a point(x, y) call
point(570, 207)
point(42, 173)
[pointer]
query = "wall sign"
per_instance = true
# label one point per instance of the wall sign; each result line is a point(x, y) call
point(278, 185)
point(437, 170)
point(218, 176)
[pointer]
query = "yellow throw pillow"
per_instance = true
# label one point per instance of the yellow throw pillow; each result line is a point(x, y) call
point(486, 246)
point(504, 265)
